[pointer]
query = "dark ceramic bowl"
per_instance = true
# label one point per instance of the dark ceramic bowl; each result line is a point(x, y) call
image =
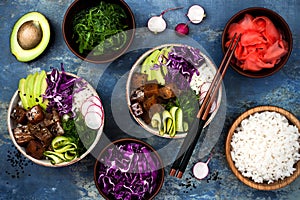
point(134, 167)
point(80, 97)
point(71, 38)
point(279, 23)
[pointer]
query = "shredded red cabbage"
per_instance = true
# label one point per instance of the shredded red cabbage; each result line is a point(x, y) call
point(128, 171)
point(59, 91)
point(182, 64)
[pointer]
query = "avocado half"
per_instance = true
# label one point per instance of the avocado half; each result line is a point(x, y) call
point(24, 54)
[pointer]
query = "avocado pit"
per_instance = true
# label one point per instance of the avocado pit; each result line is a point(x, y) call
point(29, 35)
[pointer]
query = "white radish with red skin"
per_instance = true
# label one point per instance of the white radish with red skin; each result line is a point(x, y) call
point(157, 24)
point(92, 111)
point(93, 120)
point(196, 14)
point(201, 170)
point(203, 91)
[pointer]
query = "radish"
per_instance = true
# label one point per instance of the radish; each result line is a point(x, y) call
point(205, 87)
point(157, 24)
point(202, 96)
point(95, 108)
point(196, 14)
point(201, 170)
point(95, 99)
point(92, 100)
point(85, 105)
point(213, 107)
point(182, 29)
point(93, 120)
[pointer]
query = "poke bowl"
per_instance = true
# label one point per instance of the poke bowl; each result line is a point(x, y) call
point(266, 42)
point(262, 147)
point(128, 168)
point(55, 119)
point(166, 86)
point(98, 31)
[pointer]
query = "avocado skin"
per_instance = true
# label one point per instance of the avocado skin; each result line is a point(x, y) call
point(23, 55)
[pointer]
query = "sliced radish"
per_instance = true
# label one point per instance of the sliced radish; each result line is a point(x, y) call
point(202, 96)
point(205, 87)
point(95, 100)
point(92, 100)
point(93, 120)
point(213, 107)
point(200, 170)
point(95, 108)
point(85, 105)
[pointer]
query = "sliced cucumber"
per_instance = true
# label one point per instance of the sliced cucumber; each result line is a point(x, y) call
point(166, 115)
point(55, 157)
point(179, 120)
point(170, 123)
point(68, 147)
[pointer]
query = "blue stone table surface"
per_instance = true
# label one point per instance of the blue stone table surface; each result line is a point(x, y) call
point(22, 179)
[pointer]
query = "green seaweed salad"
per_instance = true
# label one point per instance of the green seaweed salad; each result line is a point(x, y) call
point(100, 28)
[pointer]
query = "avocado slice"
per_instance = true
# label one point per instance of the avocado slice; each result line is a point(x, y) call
point(29, 84)
point(40, 86)
point(22, 93)
point(38, 23)
point(149, 63)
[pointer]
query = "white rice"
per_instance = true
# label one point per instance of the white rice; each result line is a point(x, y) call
point(265, 147)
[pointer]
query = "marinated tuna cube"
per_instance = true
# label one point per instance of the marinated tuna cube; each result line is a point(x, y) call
point(35, 114)
point(19, 115)
point(22, 135)
point(151, 89)
point(55, 115)
point(48, 120)
point(148, 103)
point(137, 96)
point(138, 80)
point(137, 109)
point(35, 149)
point(44, 135)
point(35, 127)
point(156, 108)
point(168, 91)
point(57, 129)
point(51, 118)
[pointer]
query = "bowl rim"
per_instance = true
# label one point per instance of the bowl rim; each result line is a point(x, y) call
point(128, 90)
point(261, 186)
point(45, 162)
point(107, 60)
point(161, 182)
point(258, 74)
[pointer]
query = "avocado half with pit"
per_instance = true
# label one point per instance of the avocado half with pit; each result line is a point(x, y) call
point(30, 36)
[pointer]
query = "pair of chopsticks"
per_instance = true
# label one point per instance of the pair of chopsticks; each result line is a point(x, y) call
point(191, 139)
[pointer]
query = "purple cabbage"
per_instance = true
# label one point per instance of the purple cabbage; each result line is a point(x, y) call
point(59, 91)
point(182, 64)
point(128, 171)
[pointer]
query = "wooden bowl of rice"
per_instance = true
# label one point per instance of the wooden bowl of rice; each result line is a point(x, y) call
point(263, 147)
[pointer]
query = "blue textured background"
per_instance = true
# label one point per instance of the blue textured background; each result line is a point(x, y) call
point(21, 179)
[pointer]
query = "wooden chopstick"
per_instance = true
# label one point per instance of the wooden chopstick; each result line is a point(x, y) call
point(191, 139)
